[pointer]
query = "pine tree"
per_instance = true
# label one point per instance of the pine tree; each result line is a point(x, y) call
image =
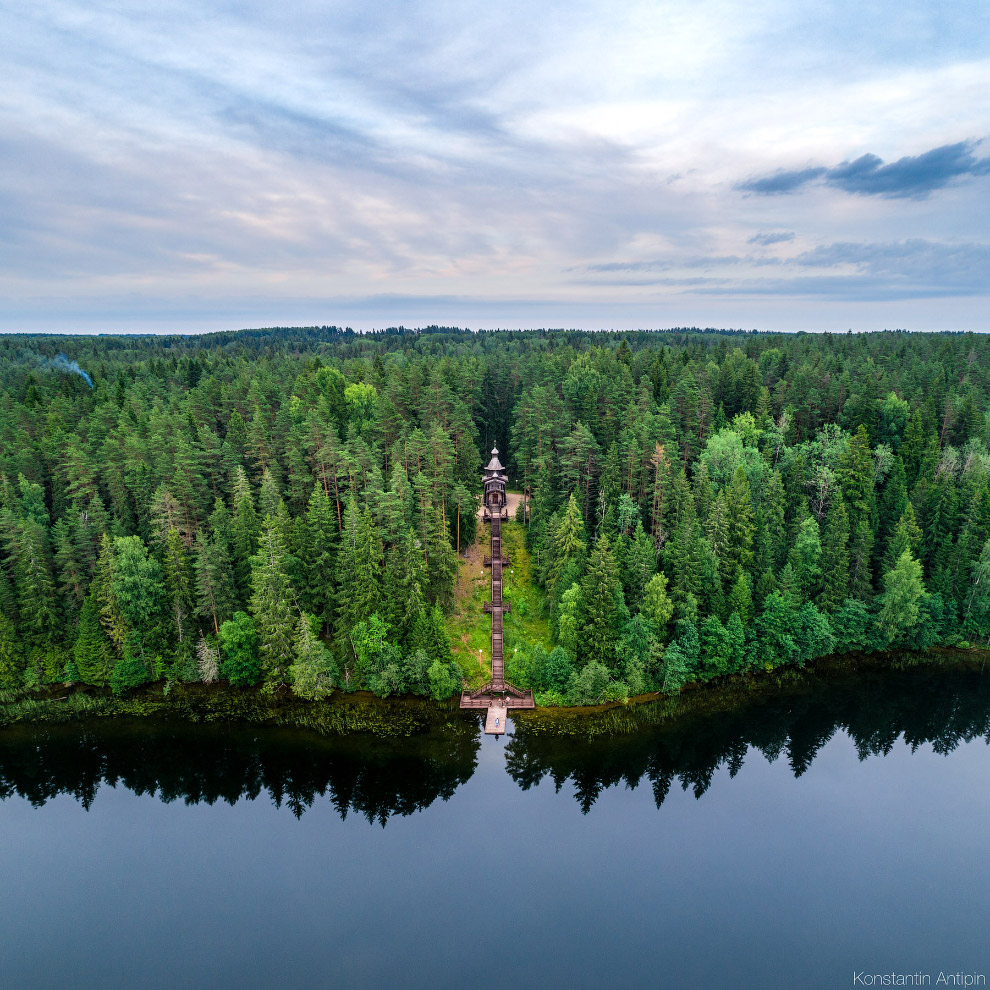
point(976, 607)
point(770, 526)
point(893, 500)
point(570, 620)
point(716, 529)
point(712, 598)
point(681, 658)
point(431, 637)
point(11, 656)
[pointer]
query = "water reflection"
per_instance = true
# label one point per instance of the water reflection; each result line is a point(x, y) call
point(939, 706)
point(379, 778)
point(372, 777)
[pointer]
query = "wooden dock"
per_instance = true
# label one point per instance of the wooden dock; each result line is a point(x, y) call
point(495, 721)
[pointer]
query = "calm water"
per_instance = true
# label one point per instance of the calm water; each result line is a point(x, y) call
point(788, 844)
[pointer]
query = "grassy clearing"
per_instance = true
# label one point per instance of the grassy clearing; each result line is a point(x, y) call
point(470, 628)
point(525, 624)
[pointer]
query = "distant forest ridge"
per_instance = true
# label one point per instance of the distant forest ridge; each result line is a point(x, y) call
point(280, 506)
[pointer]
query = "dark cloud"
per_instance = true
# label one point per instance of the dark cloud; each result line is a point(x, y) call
point(781, 181)
point(778, 237)
point(911, 177)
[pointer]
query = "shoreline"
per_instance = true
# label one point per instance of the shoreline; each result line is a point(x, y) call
point(364, 713)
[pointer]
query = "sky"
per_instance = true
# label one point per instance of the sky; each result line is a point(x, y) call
point(773, 165)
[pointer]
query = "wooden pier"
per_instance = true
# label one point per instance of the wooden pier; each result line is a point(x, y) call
point(495, 721)
point(497, 695)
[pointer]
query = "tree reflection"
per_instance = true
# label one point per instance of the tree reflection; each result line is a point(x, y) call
point(381, 778)
point(375, 778)
point(924, 705)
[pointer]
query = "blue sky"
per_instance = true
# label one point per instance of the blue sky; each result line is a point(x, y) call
point(198, 166)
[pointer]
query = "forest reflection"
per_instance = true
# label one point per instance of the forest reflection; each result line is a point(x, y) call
point(382, 778)
point(373, 777)
point(937, 706)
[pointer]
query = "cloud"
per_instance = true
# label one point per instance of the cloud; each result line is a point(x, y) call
point(662, 265)
point(963, 267)
point(778, 237)
point(912, 177)
point(781, 181)
point(874, 271)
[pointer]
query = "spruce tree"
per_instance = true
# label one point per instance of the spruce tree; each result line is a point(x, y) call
point(639, 564)
point(856, 478)
point(244, 530)
point(273, 606)
point(567, 549)
point(359, 561)
point(605, 608)
point(214, 576)
point(906, 536)
point(317, 594)
point(805, 558)
point(835, 557)
point(740, 601)
point(313, 671)
point(740, 547)
point(93, 651)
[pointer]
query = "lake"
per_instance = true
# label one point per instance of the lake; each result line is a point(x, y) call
point(841, 828)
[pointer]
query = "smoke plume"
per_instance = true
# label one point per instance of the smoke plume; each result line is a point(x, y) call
point(62, 363)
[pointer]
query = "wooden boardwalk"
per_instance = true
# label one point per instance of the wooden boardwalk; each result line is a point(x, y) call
point(497, 695)
point(495, 721)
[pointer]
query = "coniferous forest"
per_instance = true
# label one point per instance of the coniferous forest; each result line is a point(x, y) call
point(284, 507)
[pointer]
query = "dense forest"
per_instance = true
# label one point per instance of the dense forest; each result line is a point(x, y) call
point(284, 507)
